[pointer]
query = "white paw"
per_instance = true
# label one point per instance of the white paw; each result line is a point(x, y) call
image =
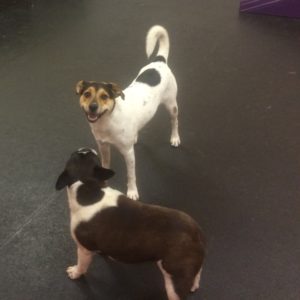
point(196, 284)
point(175, 141)
point(73, 272)
point(133, 194)
point(194, 288)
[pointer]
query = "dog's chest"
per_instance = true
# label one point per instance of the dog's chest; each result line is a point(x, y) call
point(102, 132)
point(129, 115)
point(109, 130)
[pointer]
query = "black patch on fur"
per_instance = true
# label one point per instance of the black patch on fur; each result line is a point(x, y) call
point(159, 58)
point(102, 174)
point(63, 180)
point(150, 77)
point(89, 193)
point(83, 165)
point(111, 88)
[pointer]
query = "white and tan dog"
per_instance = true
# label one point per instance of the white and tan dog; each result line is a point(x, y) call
point(116, 116)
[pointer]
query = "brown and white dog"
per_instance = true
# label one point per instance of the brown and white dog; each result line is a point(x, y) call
point(105, 221)
point(116, 116)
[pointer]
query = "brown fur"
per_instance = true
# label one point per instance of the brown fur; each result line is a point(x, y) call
point(135, 232)
point(100, 96)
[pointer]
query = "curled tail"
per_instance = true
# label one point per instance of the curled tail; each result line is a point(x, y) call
point(159, 34)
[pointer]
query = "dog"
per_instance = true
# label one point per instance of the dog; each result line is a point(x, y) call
point(105, 221)
point(116, 116)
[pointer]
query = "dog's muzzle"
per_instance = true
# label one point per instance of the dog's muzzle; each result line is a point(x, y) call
point(93, 117)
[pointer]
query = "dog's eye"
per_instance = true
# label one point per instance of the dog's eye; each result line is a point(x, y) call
point(87, 94)
point(104, 97)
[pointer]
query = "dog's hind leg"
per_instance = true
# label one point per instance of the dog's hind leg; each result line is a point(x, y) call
point(196, 281)
point(172, 295)
point(181, 274)
point(172, 108)
point(104, 149)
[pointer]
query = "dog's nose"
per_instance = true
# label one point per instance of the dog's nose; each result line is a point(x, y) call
point(93, 107)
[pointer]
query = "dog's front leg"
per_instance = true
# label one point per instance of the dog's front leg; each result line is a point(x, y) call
point(132, 191)
point(84, 258)
point(104, 149)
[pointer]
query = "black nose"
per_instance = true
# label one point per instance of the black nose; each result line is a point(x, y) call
point(93, 107)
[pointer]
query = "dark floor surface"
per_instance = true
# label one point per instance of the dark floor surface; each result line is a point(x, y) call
point(237, 172)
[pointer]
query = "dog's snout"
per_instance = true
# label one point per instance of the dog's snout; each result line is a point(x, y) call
point(93, 107)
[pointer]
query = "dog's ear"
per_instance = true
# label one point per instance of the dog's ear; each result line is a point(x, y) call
point(103, 174)
point(80, 87)
point(115, 90)
point(63, 180)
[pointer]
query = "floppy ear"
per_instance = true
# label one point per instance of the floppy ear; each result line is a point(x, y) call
point(80, 86)
point(115, 90)
point(102, 173)
point(62, 180)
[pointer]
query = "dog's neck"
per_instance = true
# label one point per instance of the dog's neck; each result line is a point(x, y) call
point(72, 196)
point(109, 198)
point(102, 128)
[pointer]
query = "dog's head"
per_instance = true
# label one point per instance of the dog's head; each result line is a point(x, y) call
point(96, 99)
point(83, 165)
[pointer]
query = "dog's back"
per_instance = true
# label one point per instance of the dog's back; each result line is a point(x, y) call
point(155, 82)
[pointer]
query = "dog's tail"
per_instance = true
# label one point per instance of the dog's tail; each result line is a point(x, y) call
point(159, 34)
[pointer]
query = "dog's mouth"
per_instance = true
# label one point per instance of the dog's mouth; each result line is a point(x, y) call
point(93, 117)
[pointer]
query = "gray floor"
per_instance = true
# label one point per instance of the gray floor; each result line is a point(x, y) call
point(237, 172)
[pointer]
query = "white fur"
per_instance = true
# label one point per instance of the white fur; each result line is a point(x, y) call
point(158, 33)
point(85, 213)
point(121, 126)
point(84, 258)
point(172, 295)
point(86, 151)
point(196, 284)
point(81, 213)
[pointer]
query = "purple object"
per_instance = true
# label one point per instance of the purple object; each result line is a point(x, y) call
point(289, 8)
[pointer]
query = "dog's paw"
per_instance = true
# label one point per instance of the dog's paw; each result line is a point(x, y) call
point(175, 141)
point(133, 194)
point(73, 272)
point(195, 287)
point(196, 284)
